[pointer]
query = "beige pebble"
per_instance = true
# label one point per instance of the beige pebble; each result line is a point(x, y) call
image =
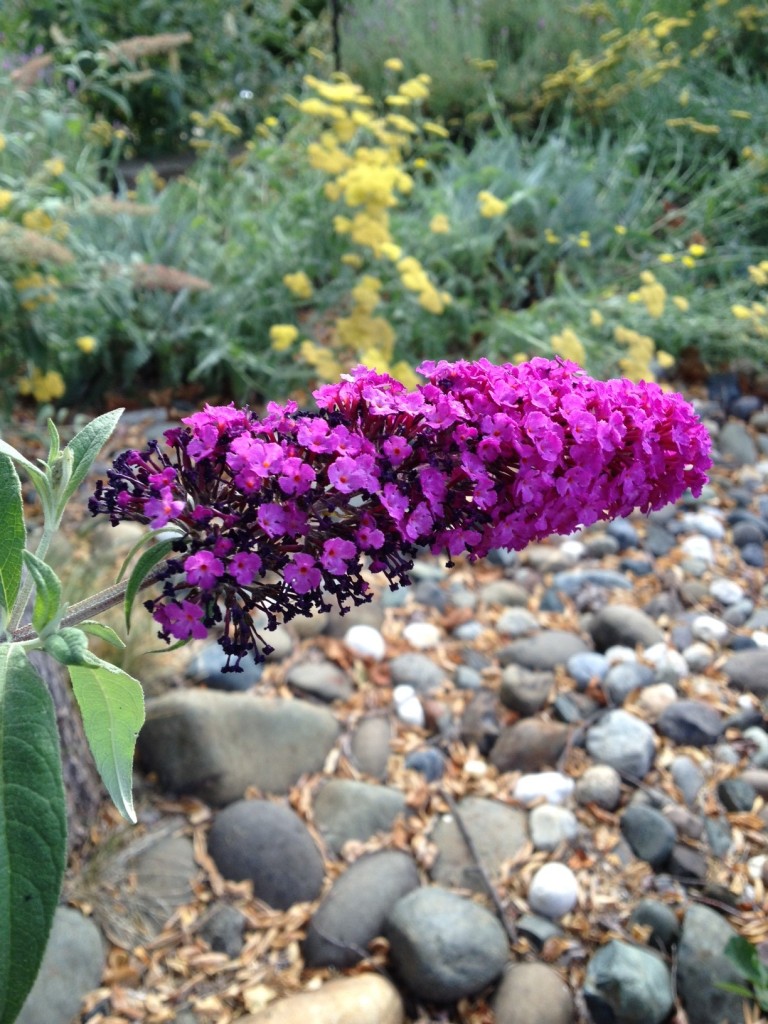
point(361, 999)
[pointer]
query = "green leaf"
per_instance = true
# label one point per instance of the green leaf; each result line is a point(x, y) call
point(147, 538)
point(140, 571)
point(103, 632)
point(69, 646)
point(12, 535)
point(85, 446)
point(112, 705)
point(47, 591)
point(55, 446)
point(36, 475)
point(744, 956)
point(33, 826)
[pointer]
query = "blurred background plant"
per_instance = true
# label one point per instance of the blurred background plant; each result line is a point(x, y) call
point(335, 218)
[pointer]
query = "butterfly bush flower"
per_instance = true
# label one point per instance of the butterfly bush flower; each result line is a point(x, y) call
point(276, 516)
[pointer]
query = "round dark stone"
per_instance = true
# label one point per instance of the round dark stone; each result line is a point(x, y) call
point(736, 794)
point(430, 762)
point(649, 833)
point(744, 533)
point(691, 723)
point(271, 846)
point(754, 555)
point(661, 919)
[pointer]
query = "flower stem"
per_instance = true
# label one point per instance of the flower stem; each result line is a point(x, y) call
point(94, 605)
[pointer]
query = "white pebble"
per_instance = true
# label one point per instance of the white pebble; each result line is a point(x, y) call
point(365, 642)
point(408, 705)
point(619, 653)
point(709, 629)
point(726, 591)
point(698, 546)
point(755, 866)
point(422, 635)
point(475, 768)
point(553, 786)
point(698, 656)
point(553, 891)
point(669, 664)
point(655, 699)
point(760, 637)
point(573, 548)
point(706, 524)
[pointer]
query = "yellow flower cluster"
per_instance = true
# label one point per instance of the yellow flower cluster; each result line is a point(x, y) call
point(217, 120)
point(364, 154)
point(282, 336)
point(641, 351)
point(755, 315)
point(43, 387)
point(36, 289)
point(299, 284)
point(568, 345)
point(490, 205)
point(87, 344)
point(652, 294)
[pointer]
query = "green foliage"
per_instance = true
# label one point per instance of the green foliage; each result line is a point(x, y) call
point(238, 55)
point(465, 47)
point(746, 958)
point(32, 802)
point(12, 537)
point(32, 826)
point(112, 705)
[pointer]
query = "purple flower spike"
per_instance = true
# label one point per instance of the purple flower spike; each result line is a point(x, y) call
point(278, 515)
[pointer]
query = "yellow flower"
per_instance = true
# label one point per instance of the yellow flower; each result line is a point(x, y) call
point(2, 142)
point(432, 300)
point(87, 343)
point(415, 88)
point(741, 312)
point(433, 128)
point(282, 336)
point(55, 166)
point(397, 101)
point(490, 205)
point(568, 346)
point(759, 274)
point(299, 284)
point(43, 387)
point(584, 240)
point(741, 115)
point(390, 251)
point(420, 163)
point(352, 259)
point(666, 257)
point(681, 302)
point(688, 261)
point(664, 359)
point(696, 249)
point(402, 371)
point(6, 198)
point(620, 229)
point(37, 220)
point(483, 65)
point(344, 91)
point(393, 64)
point(596, 318)
point(654, 296)
point(550, 237)
point(440, 225)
